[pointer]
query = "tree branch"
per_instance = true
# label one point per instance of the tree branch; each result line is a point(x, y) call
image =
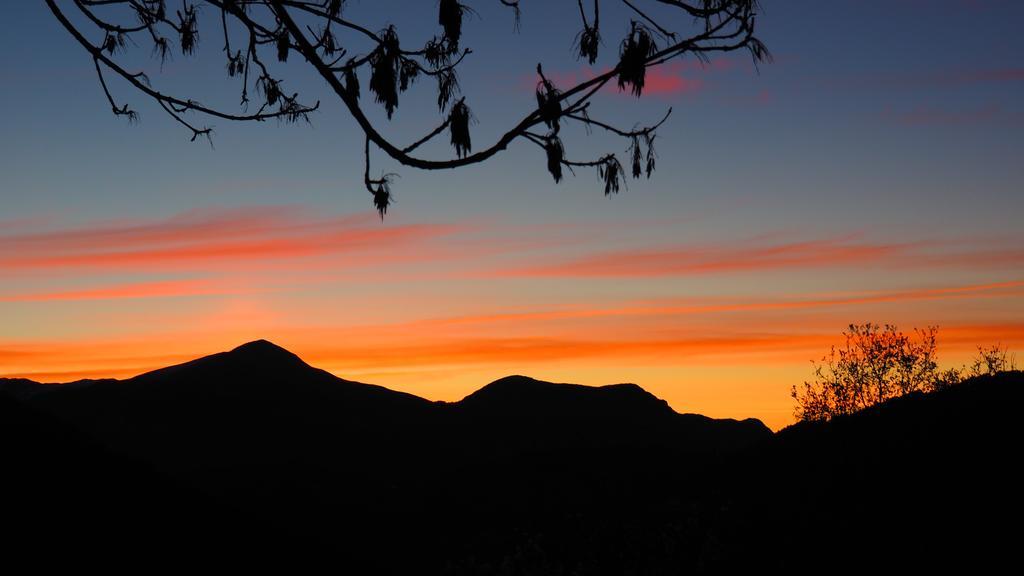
point(275, 25)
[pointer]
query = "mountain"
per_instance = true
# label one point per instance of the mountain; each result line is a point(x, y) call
point(260, 402)
point(262, 432)
point(252, 456)
point(69, 501)
point(532, 414)
point(924, 482)
point(237, 424)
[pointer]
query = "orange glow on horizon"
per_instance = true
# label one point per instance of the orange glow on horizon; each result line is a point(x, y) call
point(721, 329)
point(449, 369)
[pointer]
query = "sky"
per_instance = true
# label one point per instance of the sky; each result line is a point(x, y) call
point(871, 173)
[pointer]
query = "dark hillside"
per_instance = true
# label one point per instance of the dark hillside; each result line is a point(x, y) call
point(254, 455)
point(923, 481)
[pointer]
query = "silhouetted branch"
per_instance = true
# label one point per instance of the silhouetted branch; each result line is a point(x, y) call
point(251, 28)
point(625, 133)
point(123, 110)
point(134, 80)
point(196, 132)
point(665, 33)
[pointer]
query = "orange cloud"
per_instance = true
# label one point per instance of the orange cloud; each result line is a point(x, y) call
point(759, 255)
point(206, 239)
point(514, 351)
point(678, 261)
point(73, 361)
point(484, 339)
point(733, 372)
point(345, 356)
point(65, 361)
point(162, 289)
point(675, 307)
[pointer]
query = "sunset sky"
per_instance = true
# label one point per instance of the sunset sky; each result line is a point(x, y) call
point(873, 172)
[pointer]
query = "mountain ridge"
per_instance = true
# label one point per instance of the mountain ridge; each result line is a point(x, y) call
point(263, 357)
point(255, 461)
point(258, 403)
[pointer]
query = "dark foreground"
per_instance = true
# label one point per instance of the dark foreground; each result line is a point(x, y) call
point(252, 458)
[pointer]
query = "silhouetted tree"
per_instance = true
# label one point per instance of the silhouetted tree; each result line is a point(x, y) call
point(878, 363)
point(991, 360)
point(350, 56)
point(874, 364)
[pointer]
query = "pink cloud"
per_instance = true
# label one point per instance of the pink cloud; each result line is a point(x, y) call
point(671, 78)
point(992, 75)
point(925, 116)
point(948, 78)
point(662, 82)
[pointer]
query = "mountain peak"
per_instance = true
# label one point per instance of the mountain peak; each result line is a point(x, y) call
point(524, 391)
point(257, 357)
point(260, 347)
point(515, 380)
point(515, 386)
point(264, 352)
